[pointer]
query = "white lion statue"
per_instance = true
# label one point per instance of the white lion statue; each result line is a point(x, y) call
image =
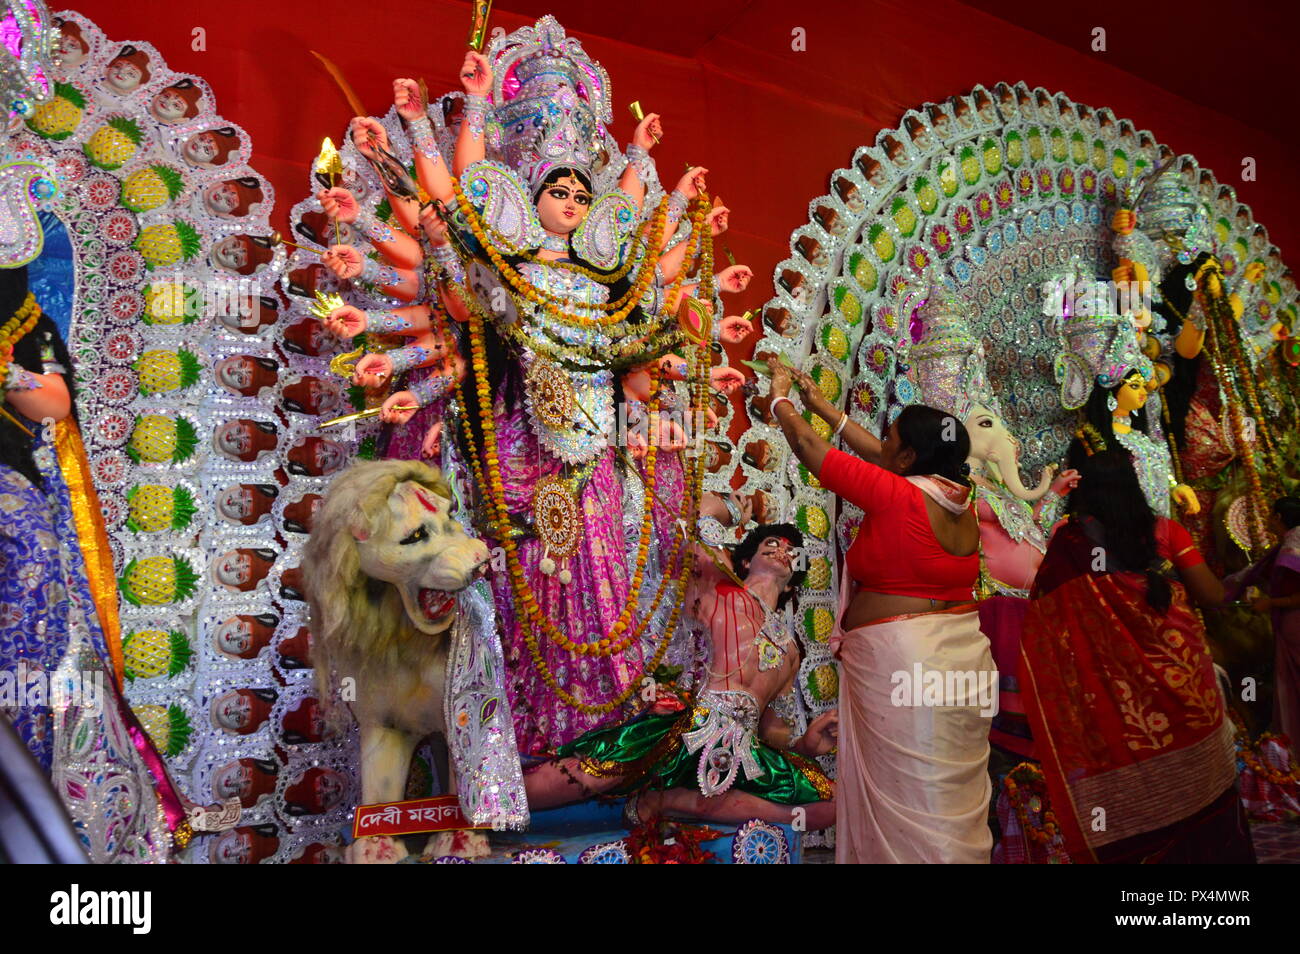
point(382, 567)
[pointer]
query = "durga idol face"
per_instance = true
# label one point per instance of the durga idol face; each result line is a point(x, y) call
point(562, 205)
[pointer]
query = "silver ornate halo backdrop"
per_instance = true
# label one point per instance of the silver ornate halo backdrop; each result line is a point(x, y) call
point(175, 277)
point(997, 194)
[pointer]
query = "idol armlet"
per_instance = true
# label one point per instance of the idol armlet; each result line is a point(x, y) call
point(376, 273)
point(387, 323)
point(372, 228)
point(403, 359)
point(20, 379)
point(423, 141)
point(676, 207)
point(1050, 509)
point(430, 389)
point(639, 159)
point(476, 107)
point(786, 708)
point(445, 257)
point(734, 509)
point(711, 531)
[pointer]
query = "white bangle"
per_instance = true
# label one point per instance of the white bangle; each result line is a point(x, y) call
point(778, 400)
point(844, 419)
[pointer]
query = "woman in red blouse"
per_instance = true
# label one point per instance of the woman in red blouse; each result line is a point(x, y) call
point(918, 684)
point(1127, 715)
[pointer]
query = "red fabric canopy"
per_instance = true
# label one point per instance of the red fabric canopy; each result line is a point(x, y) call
point(769, 122)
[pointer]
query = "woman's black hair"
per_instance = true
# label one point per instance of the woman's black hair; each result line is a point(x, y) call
point(504, 381)
point(745, 550)
point(15, 444)
point(939, 441)
point(1098, 413)
point(1176, 300)
point(1110, 494)
point(1288, 508)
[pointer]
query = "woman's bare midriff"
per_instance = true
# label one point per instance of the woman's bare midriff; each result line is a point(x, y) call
point(867, 607)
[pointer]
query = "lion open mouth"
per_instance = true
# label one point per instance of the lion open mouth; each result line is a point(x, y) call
point(436, 604)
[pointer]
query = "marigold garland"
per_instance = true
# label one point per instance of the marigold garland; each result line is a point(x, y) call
point(1248, 749)
point(1023, 783)
point(15, 329)
point(1219, 325)
point(527, 610)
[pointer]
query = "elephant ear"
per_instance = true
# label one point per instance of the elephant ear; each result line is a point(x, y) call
point(605, 229)
point(1075, 378)
point(504, 203)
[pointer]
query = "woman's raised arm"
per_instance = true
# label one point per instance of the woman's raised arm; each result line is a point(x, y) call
point(860, 440)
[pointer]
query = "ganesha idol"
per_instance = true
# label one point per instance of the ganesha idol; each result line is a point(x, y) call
point(948, 362)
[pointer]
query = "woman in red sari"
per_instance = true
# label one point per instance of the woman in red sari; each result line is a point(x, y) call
point(913, 784)
point(1127, 715)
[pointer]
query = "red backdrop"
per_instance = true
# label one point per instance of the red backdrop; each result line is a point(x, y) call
point(769, 122)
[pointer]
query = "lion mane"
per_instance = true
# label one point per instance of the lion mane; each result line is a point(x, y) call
point(359, 624)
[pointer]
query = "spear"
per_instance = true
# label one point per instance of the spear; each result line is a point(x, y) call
point(384, 162)
point(17, 423)
point(278, 239)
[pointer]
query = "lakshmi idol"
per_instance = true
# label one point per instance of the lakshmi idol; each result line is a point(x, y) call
point(563, 284)
point(1104, 373)
point(58, 608)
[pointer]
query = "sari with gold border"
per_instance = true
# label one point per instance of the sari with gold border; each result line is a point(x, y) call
point(1127, 715)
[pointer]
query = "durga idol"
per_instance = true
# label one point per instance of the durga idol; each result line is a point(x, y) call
point(562, 267)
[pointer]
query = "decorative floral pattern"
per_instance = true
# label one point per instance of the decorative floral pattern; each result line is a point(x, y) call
point(760, 843)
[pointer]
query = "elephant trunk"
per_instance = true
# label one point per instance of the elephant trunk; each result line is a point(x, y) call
point(1011, 478)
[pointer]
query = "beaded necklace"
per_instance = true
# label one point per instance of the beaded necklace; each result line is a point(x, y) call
point(528, 613)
